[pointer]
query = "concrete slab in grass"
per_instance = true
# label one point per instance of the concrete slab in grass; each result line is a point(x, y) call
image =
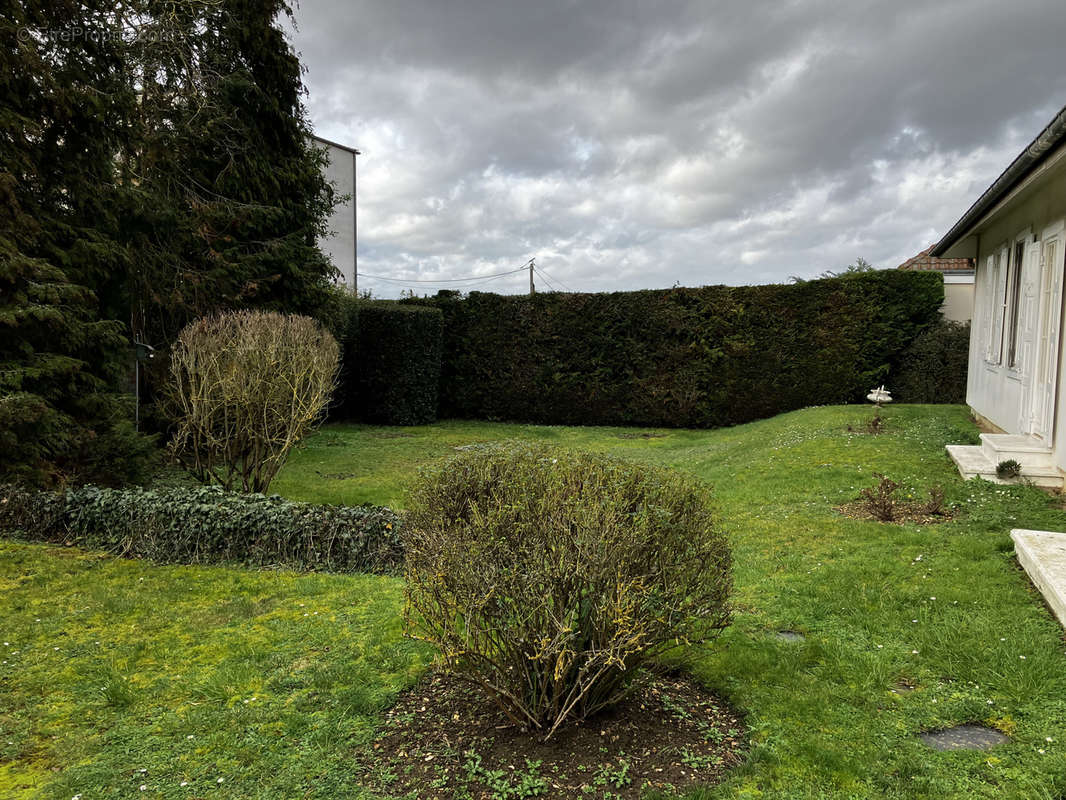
point(963, 737)
point(1043, 556)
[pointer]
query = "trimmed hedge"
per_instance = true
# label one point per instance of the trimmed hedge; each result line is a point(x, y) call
point(933, 369)
point(208, 525)
point(397, 363)
point(390, 360)
point(705, 357)
point(340, 316)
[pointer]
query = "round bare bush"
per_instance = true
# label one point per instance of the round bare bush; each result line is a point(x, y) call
point(547, 576)
point(246, 386)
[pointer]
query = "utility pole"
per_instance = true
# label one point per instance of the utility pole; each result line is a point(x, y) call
point(532, 289)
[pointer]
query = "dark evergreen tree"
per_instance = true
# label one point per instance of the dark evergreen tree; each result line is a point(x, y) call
point(228, 189)
point(63, 98)
point(155, 165)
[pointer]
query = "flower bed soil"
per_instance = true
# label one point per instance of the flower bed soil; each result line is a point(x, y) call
point(443, 740)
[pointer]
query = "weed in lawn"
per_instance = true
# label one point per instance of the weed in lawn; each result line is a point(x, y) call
point(116, 690)
point(503, 784)
point(1008, 468)
point(616, 774)
point(698, 761)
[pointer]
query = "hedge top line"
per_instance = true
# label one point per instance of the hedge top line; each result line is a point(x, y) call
point(870, 277)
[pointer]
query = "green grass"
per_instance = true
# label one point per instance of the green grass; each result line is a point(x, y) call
point(118, 674)
point(181, 649)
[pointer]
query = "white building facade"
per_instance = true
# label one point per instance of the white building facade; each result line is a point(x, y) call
point(340, 244)
point(1015, 233)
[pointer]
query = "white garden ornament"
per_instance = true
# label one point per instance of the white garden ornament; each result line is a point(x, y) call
point(879, 395)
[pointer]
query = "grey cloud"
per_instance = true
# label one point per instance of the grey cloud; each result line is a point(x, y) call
point(635, 144)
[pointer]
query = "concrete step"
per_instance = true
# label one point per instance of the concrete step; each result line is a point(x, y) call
point(1043, 556)
point(1026, 450)
point(973, 462)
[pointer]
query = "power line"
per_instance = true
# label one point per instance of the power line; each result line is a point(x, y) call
point(442, 280)
point(446, 280)
point(549, 279)
point(427, 285)
point(546, 276)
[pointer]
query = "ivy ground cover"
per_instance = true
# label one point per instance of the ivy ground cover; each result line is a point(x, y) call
point(238, 683)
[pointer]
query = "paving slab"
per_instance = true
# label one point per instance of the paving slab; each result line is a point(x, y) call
point(963, 737)
point(1043, 556)
point(973, 461)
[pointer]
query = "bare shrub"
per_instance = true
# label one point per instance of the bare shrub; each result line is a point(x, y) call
point(883, 503)
point(246, 387)
point(935, 505)
point(547, 576)
point(880, 501)
point(875, 425)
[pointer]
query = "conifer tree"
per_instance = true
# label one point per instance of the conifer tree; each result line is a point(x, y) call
point(229, 190)
point(62, 101)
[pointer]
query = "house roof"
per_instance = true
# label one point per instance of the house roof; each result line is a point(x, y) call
point(1029, 159)
point(925, 261)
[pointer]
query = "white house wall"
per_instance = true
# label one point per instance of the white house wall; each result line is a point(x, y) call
point(958, 298)
point(995, 391)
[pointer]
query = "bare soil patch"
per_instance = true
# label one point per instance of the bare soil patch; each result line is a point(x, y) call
point(904, 512)
point(443, 740)
point(881, 503)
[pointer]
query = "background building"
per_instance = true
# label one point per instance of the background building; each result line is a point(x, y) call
point(340, 245)
point(958, 282)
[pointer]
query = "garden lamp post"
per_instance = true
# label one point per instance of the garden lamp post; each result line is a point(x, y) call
point(141, 352)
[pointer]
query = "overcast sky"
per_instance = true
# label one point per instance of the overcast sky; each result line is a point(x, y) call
point(642, 144)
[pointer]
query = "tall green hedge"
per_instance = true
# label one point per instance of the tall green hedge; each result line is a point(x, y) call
point(705, 357)
point(340, 316)
point(390, 361)
point(933, 369)
point(398, 360)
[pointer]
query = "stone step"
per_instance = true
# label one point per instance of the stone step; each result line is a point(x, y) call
point(1026, 450)
point(972, 462)
point(1043, 556)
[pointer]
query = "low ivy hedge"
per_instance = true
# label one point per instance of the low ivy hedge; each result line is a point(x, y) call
point(207, 525)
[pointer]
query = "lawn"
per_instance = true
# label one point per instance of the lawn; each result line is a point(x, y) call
point(272, 682)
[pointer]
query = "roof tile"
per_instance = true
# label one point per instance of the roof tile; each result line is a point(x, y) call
point(924, 261)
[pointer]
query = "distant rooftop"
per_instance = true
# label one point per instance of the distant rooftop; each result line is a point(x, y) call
point(924, 261)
